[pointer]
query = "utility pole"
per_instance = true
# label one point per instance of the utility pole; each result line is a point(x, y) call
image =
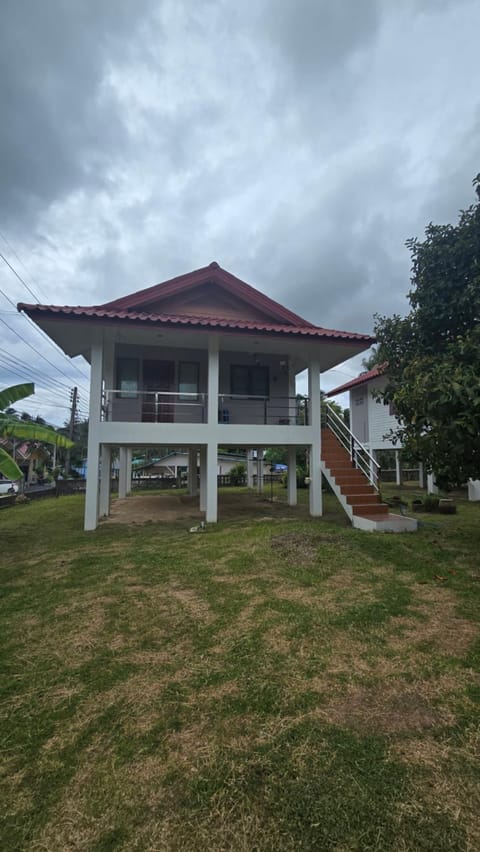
point(71, 427)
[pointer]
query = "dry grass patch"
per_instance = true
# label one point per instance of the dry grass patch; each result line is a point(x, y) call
point(301, 548)
point(434, 621)
point(440, 784)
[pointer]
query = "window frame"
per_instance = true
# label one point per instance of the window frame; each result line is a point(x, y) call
point(121, 392)
point(189, 396)
point(250, 370)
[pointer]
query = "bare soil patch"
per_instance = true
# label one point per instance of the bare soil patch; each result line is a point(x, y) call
point(171, 507)
point(393, 708)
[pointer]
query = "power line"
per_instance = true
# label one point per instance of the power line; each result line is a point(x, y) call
point(33, 370)
point(19, 277)
point(36, 327)
point(2, 235)
point(34, 350)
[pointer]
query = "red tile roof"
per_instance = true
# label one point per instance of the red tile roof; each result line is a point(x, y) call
point(128, 309)
point(215, 274)
point(172, 320)
point(359, 380)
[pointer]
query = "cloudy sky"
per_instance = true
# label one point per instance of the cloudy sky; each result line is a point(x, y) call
point(299, 143)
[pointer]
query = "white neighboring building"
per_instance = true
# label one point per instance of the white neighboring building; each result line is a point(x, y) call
point(371, 420)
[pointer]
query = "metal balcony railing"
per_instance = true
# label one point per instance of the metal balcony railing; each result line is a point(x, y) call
point(282, 411)
point(174, 407)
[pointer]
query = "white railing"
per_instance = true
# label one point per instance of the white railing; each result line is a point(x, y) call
point(156, 406)
point(358, 453)
point(174, 407)
point(283, 411)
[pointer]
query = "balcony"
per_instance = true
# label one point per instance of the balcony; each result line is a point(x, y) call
point(170, 407)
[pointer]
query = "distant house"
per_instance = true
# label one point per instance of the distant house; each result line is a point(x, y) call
point(370, 419)
point(177, 462)
point(199, 362)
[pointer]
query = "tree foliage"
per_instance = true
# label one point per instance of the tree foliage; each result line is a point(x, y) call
point(433, 353)
point(11, 426)
point(372, 359)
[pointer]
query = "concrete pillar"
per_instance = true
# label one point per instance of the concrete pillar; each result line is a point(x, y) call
point(122, 473)
point(315, 425)
point(105, 480)
point(213, 372)
point(260, 471)
point(421, 475)
point(108, 377)
point(250, 468)
point(292, 476)
point(203, 479)
point(211, 509)
point(292, 402)
point(192, 472)
point(128, 474)
point(431, 484)
point(398, 468)
point(92, 496)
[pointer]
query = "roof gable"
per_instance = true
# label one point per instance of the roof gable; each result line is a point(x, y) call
point(207, 292)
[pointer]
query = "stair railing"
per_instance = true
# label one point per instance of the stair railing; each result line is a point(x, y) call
point(358, 453)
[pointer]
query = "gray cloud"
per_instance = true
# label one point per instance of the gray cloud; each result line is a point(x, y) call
point(298, 144)
point(59, 129)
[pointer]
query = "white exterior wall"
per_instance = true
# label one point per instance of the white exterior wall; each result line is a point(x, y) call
point(371, 420)
point(359, 413)
point(380, 421)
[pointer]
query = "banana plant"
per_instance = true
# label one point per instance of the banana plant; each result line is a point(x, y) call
point(12, 427)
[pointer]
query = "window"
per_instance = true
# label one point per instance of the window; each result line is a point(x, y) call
point(249, 381)
point(127, 378)
point(188, 380)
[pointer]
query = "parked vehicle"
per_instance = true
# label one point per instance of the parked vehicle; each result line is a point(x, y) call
point(8, 487)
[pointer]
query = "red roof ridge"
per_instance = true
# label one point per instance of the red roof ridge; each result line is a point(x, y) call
point(213, 272)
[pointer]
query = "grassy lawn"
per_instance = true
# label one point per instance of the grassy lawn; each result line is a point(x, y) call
point(275, 683)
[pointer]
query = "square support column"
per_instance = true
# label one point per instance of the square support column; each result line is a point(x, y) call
point(192, 473)
point(128, 475)
point(105, 479)
point(250, 468)
point(292, 476)
point(260, 469)
point(398, 468)
point(122, 473)
point(203, 479)
point(315, 425)
point(95, 407)
point(212, 489)
point(213, 373)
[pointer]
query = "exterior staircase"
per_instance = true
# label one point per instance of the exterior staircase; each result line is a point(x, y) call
point(353, 475)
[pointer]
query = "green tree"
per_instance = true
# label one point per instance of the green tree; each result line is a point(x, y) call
point(433, 353)
point(372, 359)
point(12, 426)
